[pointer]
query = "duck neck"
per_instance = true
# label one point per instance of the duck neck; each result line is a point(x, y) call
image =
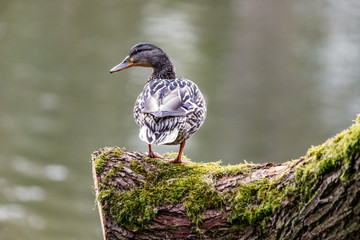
point(165, 70)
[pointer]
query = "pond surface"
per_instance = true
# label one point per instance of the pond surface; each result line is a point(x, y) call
point(278, 77)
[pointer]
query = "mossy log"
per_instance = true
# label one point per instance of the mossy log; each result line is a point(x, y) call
point(314, 197)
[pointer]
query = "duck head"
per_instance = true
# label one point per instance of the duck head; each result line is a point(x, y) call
point(144, 55)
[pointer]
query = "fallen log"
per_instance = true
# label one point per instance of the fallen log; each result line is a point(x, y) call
point(314, 197)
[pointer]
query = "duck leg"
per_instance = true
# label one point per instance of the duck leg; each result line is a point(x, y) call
point(153, 154)
point(178, 158)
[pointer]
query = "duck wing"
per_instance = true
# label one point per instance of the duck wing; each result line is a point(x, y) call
point(169, 111)
point(166, 98)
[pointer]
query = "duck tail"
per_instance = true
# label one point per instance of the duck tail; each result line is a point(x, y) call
point(158, 138)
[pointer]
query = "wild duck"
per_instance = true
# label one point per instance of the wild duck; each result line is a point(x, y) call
point(169, 109)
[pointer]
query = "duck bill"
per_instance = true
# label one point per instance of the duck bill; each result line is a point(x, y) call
point(123, 65)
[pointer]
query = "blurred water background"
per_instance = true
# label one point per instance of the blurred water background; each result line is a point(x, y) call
point(279, 76)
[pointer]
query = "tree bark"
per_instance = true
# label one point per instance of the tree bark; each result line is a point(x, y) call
point(318, 201)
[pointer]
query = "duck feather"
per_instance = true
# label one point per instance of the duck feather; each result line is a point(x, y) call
point(169, 111)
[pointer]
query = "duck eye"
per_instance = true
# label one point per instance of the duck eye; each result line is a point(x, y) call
point(139, 51)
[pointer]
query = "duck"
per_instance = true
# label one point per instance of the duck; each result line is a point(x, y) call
point(169, 110)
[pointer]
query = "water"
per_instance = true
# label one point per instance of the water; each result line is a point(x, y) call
point(278, 77)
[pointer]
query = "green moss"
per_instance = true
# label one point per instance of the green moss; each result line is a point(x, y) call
point(170, 155)
point(110, 175)
point(335, 153)
point(192, 185)
point(99, 164)
point(201, 196)
point(102, 158)
point(137, 167)
point(230, 170)
point(256, 202)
